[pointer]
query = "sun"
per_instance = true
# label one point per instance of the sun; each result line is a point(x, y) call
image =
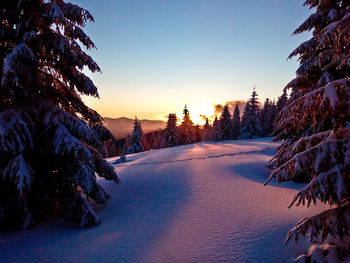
point(198, 114)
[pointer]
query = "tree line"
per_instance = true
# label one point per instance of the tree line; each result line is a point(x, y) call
point(256, 122)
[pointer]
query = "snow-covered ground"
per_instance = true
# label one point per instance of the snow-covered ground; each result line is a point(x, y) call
point(203, 202)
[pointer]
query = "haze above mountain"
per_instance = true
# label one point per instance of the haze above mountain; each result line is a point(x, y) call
point(121, 127)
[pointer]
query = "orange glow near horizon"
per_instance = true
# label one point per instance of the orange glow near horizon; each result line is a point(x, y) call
point(198, 114)
point(198, 111)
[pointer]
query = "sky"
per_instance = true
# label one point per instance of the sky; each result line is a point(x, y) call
point(157, 56)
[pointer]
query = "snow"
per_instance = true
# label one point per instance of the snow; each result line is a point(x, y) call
point(9, 65)
point(203, 202)
point(21, 172)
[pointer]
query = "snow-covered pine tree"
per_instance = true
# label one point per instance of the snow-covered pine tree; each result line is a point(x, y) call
point(236, 123)
point(215, 133)
point(206, 130)
point(170, 132)
point(267, 117)
point(50, 141)
point(226, 124)
point(315, 129)
point(186, 135)
point(251, 127)
point(136, 140)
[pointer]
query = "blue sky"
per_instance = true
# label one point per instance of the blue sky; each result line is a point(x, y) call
point(157, 56)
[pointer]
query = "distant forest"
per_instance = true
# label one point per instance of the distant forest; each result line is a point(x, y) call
point(257, 120)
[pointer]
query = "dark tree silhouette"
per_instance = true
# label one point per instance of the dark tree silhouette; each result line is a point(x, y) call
point(267, 117)
point(186, 131)
point(236, 123)
point(226, 124)
point(170, 132)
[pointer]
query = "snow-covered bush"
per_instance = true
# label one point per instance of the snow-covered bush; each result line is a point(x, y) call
point(122, 159)
point(315, 129)
point(50, 141)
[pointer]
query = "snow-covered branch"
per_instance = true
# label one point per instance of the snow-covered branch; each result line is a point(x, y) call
point(320, 152)
point(76, 126)
point(332, 222)
point(19, 172)
point(327, 186)
point(335, 253)
point(64, 144)
point(15, 134)
point(13, 67)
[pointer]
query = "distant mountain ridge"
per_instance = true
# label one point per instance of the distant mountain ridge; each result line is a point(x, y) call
point(121, 127)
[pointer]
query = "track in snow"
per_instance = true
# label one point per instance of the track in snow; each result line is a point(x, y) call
point(267, 150)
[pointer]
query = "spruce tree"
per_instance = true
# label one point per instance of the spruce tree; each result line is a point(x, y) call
point(282, 101)
point(206, 130)
point(50, 141)
point(251, 127)
point(170, 132)
point(136, 140)
point(226, 124)
point(267, 117)
point(236, 123)
point(186, 131)
point(215, 134)
point(314, 128)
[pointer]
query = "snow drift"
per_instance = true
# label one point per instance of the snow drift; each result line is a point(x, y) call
point(202, 202)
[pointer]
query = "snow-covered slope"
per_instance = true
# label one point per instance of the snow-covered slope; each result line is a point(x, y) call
point(203, 202)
